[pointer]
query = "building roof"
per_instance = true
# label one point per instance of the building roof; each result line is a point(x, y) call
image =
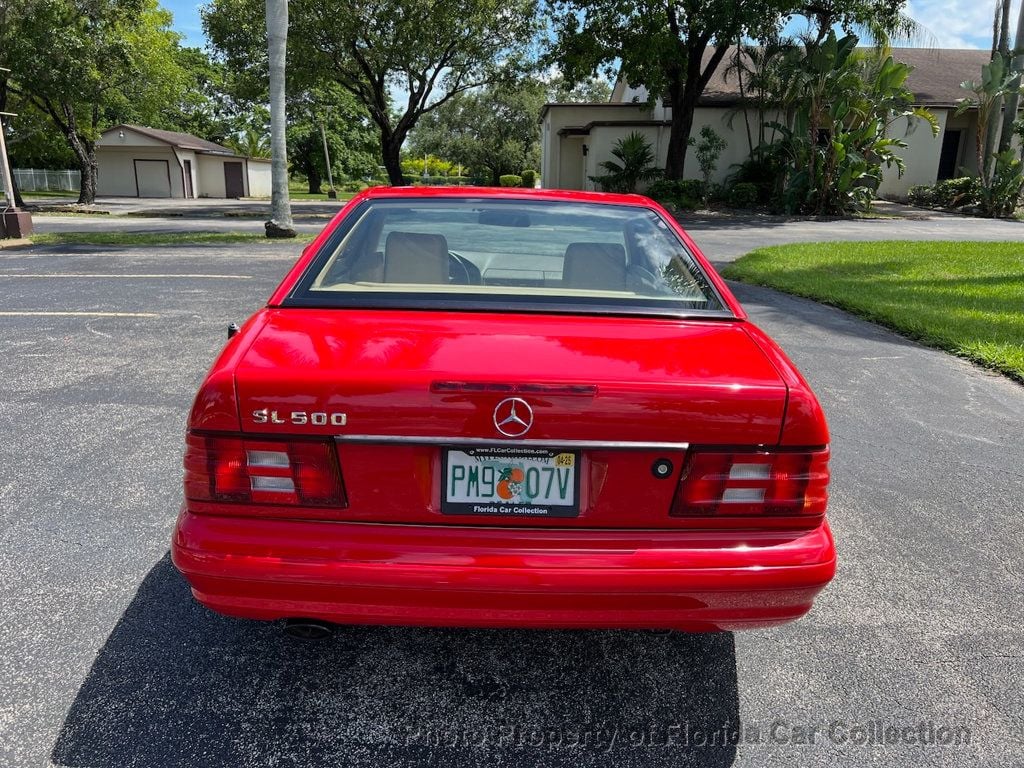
point(175, 139)
point(934, 81)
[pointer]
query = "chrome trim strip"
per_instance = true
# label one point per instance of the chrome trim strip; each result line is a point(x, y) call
point(455, 442)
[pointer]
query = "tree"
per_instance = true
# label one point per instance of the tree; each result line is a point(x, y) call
point(846, 105)
point(211, 106)
point(351, 137)
point(493, 130)
point(595, 90)
point(280, 224)
point(661, 45)
point(421, 52)
point(1013, 98)
point(988, 93)
point(90, 63)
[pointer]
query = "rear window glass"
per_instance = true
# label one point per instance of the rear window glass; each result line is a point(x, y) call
point(471, 252)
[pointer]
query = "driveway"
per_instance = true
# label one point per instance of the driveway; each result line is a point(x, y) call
point(109, 663)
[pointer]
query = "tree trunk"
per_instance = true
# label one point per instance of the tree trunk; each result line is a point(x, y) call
point(684, 100)
point(19, 202)
point(85, 154)
point(1013, 99)
point(280, 224)
point(391, 149)
point(314, 179)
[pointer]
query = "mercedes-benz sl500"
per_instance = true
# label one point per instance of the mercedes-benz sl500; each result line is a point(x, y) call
point(505, 408)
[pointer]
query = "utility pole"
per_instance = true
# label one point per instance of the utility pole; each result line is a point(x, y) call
point(332, 193)
point(13, 223)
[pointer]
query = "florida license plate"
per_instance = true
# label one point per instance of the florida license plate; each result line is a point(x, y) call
point(527, 482)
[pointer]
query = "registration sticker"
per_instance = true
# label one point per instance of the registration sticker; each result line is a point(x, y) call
point(531, 482)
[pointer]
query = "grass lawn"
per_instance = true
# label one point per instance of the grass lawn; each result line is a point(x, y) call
point(157, 238)
point(46, 194)
point(300, 190)
point(967, 298)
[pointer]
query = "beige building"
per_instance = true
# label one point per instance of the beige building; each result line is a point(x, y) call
point(576, 138)
point(134, 161)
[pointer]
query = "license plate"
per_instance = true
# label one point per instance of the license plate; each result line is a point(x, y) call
point(525, 482)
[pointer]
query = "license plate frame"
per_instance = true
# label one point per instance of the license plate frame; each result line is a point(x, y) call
point(518, 505)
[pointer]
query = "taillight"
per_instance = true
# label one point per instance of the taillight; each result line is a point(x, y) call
point(233, 469)
point(783, 483)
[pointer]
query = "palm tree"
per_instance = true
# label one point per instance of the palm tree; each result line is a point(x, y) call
point(995, 84)
point(251, 144)
point(280, 224)
point(1013, 99)
point(636, 164)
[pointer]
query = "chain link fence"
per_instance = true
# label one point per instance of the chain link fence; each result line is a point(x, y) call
point(37, 180)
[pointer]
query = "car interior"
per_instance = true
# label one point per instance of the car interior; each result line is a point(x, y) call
point(510, 250)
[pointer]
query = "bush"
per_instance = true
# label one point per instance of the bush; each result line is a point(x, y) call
point(955, 192)
point(951, 193)
point(921, 194)
point(681, 193)
point(529, 179)
point(743, 195)
point(765, 169)
point(510, 180)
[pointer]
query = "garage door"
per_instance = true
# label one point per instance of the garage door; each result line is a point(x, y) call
point(153, 178)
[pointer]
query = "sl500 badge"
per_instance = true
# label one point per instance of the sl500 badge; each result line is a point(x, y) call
point(300, 418)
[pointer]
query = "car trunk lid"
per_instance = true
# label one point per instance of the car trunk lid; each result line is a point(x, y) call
point(398, 388)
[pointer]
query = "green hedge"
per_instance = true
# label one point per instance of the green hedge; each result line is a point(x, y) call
point(510, 180)
point(742, 195)
point(529, 179)
point(681, 193)
point(951, 193)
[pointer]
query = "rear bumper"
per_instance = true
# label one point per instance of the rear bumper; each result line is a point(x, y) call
point(493, 577)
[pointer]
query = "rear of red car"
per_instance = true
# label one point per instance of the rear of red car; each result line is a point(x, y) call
point(510, 442)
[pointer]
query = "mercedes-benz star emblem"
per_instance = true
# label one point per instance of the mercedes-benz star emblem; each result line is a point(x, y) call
point(513, 417)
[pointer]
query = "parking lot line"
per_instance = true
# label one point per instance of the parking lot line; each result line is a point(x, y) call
point(130, 276)
point(47, 313)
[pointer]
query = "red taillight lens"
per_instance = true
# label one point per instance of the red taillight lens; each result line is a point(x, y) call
point(765, 483)
point(230, 469)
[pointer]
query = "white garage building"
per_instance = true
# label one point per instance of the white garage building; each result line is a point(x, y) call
point(134, 161)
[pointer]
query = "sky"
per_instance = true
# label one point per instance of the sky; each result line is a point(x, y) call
point(949, 23)
point(186, 20)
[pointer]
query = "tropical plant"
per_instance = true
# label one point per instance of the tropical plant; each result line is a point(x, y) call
point(1002, 195)
point(709, 149)
point(250, 143)
point(633, 164)
point(840, 135)
point(997, 81)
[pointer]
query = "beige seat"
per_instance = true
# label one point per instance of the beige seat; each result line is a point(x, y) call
point(600, 266)
point(412, 257)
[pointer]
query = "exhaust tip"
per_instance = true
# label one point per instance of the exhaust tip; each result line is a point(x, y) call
point(308, 629)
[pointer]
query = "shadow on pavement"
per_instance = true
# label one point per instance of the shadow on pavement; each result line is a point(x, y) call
point(176, 685)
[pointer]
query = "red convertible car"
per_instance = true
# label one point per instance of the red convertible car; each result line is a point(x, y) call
point(505, 408)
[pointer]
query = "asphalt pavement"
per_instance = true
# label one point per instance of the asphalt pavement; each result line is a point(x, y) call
point(108, 663)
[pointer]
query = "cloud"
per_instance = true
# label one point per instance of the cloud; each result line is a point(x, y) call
point(957, 23)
